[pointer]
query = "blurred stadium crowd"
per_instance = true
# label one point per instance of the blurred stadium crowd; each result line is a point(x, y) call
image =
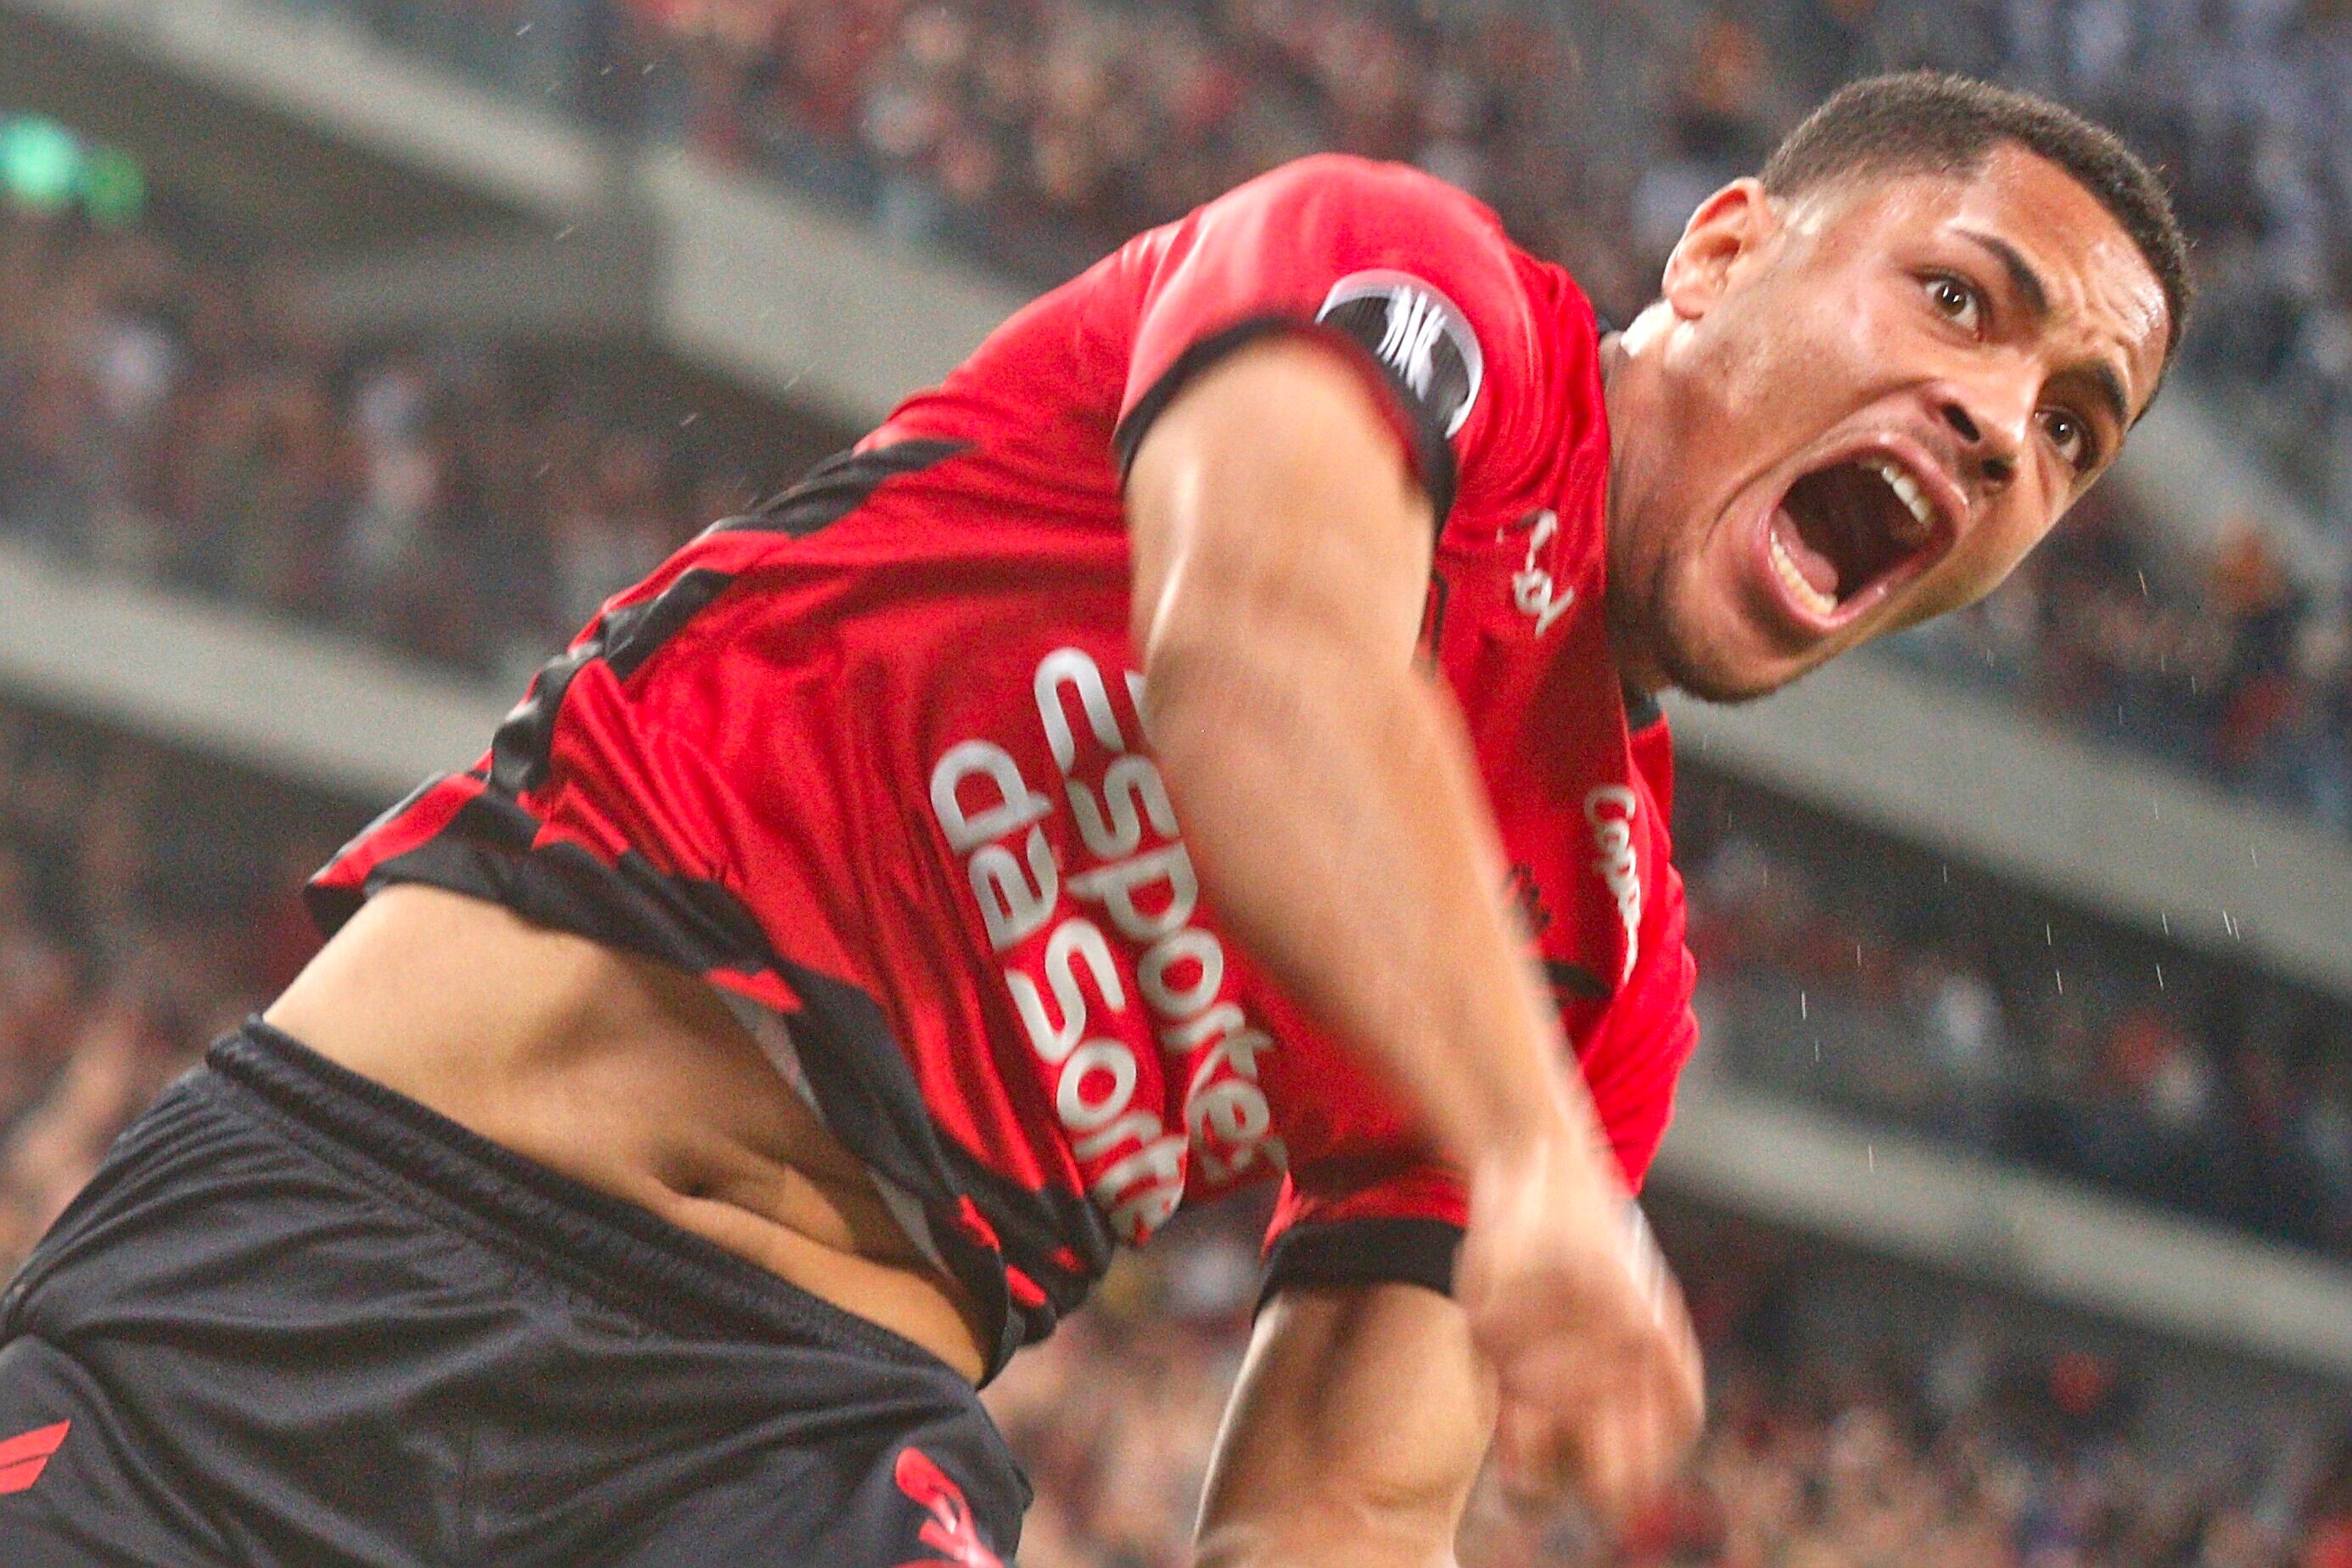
point(1966, 1444)
point(165, 416)
point(161, 413)
point(1926, 996)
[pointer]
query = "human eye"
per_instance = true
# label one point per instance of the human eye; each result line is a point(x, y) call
point(1957, 300)
point(2072, 437)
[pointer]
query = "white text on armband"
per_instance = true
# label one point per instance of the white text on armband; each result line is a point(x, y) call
point(1136, 884)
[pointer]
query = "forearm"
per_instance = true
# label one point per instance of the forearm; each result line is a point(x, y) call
point(1335, 818)
point(1355, 1431)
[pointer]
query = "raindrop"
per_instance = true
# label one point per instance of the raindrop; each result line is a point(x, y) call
point(1871, 1150)
point(689, 419)
point(1804, 1006)
point(2159, 977)
point(2060, 975)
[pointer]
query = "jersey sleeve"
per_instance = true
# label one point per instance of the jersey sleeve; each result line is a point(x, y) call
point(1372, 1220)
point(1407, 279)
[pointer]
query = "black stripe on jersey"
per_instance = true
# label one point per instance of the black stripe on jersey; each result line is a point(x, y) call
point(632, 633)
point(1577, 980)
point(1362, 1252)
point(625, 639)
point(1432, 454)
point(487, 851)
point(1641, 711)
point(1032, 1227)
point(839, 486)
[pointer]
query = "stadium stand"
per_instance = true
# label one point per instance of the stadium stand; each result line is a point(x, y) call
point(166, 417)
point(1917, 993)
point(1019, 134)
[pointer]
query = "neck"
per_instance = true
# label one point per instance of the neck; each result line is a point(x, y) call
point(1629, 394)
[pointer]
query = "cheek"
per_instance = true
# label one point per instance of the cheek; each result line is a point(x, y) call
point(1985, 562)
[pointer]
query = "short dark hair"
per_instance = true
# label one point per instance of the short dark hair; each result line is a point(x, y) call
point(1926, 122)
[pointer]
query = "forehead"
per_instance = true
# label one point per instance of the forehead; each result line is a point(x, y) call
point(2104, 299)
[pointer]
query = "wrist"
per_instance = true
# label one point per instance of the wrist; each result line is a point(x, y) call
point(1564, 1156)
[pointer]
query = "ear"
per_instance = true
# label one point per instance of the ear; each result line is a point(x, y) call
point(1729, 227)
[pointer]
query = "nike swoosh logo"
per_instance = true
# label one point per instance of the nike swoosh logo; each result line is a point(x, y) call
point(23, 1457)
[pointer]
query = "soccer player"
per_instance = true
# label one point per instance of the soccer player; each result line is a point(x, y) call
point(1208, 740)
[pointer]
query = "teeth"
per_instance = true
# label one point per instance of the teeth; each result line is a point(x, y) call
point(1907, 490)
point(1785, 568)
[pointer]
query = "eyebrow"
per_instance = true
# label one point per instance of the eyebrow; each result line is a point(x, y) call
point(2026, 281)
point(2028, 287)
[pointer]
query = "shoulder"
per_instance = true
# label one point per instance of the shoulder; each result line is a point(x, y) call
point(1344, 180)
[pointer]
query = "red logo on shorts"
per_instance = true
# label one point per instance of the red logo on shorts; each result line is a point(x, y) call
point(25, 1456)
point(950, 1530)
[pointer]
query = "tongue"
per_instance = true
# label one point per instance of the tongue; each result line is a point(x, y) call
point(1820, 573)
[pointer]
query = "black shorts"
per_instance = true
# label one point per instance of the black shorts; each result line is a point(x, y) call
point(297, 1319)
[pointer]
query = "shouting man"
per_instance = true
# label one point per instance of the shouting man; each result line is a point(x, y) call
point(1210, 738)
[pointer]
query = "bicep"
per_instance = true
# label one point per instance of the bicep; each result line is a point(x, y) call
point(1355, 1432)
point(1272, 495)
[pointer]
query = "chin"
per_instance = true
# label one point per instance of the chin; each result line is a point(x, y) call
point(1712, 651)
point(1726, 681)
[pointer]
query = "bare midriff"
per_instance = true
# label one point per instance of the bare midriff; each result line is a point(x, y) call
point(626, 1075)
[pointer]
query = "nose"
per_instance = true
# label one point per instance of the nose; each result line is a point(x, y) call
point(1993, 462)
point(1993, 423)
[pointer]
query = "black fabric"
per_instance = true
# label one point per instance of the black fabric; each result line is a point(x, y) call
point(1363, 1252)
point(628, 903)
point(624, 638)
point(1432, 454)
point(1641, 711)
point(298, 1320)
point(1576, 980)
point(839, 486)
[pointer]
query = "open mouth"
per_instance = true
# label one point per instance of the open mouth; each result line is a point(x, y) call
point(1846, 533)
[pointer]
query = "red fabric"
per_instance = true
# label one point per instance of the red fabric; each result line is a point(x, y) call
point(909, 745)
point(2330, 1545)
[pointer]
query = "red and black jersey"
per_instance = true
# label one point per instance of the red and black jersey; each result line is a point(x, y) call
point(873, 761)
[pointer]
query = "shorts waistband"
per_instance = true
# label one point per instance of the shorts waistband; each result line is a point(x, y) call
point(612, 1249)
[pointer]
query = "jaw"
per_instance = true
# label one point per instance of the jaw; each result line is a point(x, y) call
point(1822, 561)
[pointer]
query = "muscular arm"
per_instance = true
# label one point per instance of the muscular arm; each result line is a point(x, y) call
point(1325, 787)
point(1332, 801)
point(1356, 1429)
